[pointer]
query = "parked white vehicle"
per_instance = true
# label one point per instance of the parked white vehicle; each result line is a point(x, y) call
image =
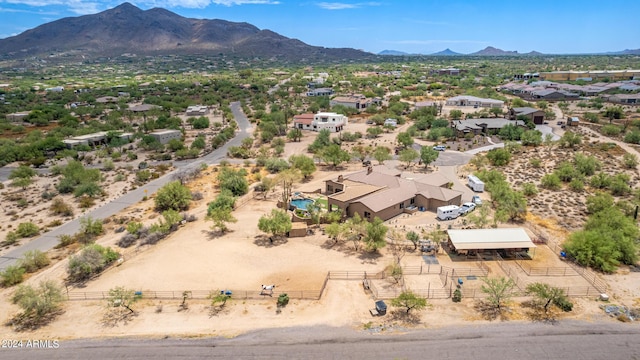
point(475, 184)
point(476, 200)
point(467, 207)
point(448, 212)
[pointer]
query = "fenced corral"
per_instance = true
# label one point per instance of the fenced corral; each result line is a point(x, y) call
point(582, 279)
point(199, 294)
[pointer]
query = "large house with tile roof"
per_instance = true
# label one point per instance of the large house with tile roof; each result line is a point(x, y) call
point(384, 193)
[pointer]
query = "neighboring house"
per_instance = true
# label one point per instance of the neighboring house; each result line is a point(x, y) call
point(55, 89)
point(534, 115)
point(320, 92)
point(323, 120)
point(467, 100)
point(144, 107)
point(553, 94)
point(93, 139)
point(19, 116)
point(424, 104)
point(526, 76)
point(197, 110)
point(488, 126)
point(382, 192)
point(627, 99)
point(596, 74)
point(448, 71)
point(164, 136)
point(107, 99)
point(355, 101)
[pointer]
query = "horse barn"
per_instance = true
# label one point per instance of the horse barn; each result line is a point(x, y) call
point(506, 242)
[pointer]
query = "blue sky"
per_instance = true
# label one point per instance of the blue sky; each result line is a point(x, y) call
point(413, 26)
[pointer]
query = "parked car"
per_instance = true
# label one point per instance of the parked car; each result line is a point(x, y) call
point(476, 200)
point(560, 123)
point(439, 148)
point(467, 207)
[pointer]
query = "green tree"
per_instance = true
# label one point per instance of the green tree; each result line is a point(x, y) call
point(334, 155)
point(408, 156)
point(120, 297)
point(499, 157)
point(455, 114)
point(404, 139)
point(334, 231)
point(278, 223)
point(22, 176)
point(376, 231)
point(381, 154)
point(546, 295)
point(220, 217)
point(570, 139)
point(173, 196)
point(323, 139)
point(374, 131)
point(294, 134)
point(39, 304)
point(409, 301)
point(12, 274)
point(613, 112)
point(90, 261)
point(27, 229)
point(303, 163)
point(531, 138)
point(33, 260)
point(480, 217)
point(499, 290)
point(233, 180)
point(428, 155)
point(361, 152)
point(414, 238)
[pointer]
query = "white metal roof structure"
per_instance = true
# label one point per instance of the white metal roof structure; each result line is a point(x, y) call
point(480, 239)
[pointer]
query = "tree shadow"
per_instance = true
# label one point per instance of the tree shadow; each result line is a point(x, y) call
point(114, 316)
point(401, 316)
point(535, 312)
point(489, 311)
point(368, 257)
point(269, 241)
point(214, 234)
point(29, 322)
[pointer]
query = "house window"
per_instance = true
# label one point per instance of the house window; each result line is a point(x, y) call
point(329, 189)
point(367, 215)
point(299, 126)
point(412, 201)
point(401, 205)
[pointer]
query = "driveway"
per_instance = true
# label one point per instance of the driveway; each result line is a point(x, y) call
point(49, 240)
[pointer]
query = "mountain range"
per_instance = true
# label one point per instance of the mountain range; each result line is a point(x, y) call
point(128, 29)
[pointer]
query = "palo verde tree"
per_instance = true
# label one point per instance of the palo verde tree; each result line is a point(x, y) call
point(428, 155)
point(174, 196)
point(409, 301)
point(499, 290)
point(39, 304)
point(375, 232)
point(119, 304)
point(278, 223)
point(546, 295)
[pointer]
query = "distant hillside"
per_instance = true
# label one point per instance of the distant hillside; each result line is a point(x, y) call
point(392, 52)
point(446, 52)
point(491, 51)
point(128, 29)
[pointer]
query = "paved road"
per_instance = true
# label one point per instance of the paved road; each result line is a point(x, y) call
point(50, 239)
point(522, 341)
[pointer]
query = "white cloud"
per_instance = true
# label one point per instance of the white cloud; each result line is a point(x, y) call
point(201, 4)
point(76, 6)
point(342, 6)
point(244, 2)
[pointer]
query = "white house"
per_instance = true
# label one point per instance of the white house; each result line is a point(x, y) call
point(323, 120)
point(467, 100)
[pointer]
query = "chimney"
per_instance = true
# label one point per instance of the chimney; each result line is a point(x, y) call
point(340, 178)
point(369, 169)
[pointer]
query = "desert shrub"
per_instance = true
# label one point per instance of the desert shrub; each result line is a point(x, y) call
point(59, 207)
point(535, 162)
point(564, 304)
point(499, 157)
point(12, 275)
point(529, 189)
point(127, 240)
point(27, 229)
point(90, 189)
point(196, 195)
point(457, 296)
point(238, 152)
point(33, 261)
point(276, 165)
point(283, 300)
point(153, 238)
point(86, 202)
point(89, 229)
point(65, 240)
point(576, 185)
point(11, 238)
point(134, 227)
point(550, 181)
point(39, 304)
point(632, 137)
point(143, 176)
point(91, 260)
point(611, 130)
point(107, 165)
point(630, 161)
point(48, 195)
point(173, 196)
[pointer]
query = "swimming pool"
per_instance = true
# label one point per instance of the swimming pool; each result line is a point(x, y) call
point(301, 203)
